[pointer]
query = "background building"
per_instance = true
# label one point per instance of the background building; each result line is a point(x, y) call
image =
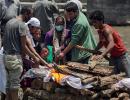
point(116, 12)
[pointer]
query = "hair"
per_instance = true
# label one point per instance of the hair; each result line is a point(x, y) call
point(25, 9)
point(71, 6)
point(97, 15)
point(60, 17)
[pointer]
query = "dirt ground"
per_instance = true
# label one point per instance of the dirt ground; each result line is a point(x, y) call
point(124, 33)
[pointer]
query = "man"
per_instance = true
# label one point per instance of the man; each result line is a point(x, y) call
point(34, 32)
point(81, 34)
point(14, 46)
point(34, 26)
point(10, 9)
point(45, 11)
point(111, 40)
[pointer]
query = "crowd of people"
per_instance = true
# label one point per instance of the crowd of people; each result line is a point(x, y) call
point(41, 35)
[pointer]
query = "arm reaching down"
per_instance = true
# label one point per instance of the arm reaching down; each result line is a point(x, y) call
point(42, 61)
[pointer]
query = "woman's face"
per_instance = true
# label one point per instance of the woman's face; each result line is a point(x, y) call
point(44, 53)
point(59, 25)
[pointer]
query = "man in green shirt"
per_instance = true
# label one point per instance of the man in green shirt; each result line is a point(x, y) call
point(81, 34)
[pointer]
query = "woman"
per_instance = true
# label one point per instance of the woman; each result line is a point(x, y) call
point(58, 36)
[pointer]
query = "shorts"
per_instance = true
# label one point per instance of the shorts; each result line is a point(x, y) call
point(13, 66)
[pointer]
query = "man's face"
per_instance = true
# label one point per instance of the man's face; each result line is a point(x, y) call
point(33, 29)
point(36, 33)
point(27, 16)
point(70, 15)
point(96, 24)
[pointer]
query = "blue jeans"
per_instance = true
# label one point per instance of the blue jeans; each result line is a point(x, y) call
point(122, 64)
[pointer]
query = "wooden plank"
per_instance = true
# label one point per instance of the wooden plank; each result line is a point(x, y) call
point(97, 70)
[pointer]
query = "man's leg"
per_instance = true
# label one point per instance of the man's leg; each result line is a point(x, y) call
point(14, 68)
point(126, 64)
point(116, 63)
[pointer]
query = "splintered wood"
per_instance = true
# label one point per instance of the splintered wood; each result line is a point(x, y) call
point(101, 77)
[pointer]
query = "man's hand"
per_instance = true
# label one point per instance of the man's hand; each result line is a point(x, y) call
point(61, 55)
point(49, 66)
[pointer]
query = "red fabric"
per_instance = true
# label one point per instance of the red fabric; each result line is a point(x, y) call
point(119, 47)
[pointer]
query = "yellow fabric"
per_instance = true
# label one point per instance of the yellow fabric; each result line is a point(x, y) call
point(57, 76)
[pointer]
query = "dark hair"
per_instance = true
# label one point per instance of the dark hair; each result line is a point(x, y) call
point(71, 6)
point(60, 18)
point(97, 15)
point(25, 9)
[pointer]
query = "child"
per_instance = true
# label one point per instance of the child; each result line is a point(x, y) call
point(111, 40)
point(47, 54)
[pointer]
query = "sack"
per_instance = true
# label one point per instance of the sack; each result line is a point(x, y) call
point(2, 73)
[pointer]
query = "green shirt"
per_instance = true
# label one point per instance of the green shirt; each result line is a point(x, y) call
point(82, 35)
point(49, 58)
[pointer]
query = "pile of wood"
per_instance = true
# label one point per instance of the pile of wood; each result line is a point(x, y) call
point(100, 77)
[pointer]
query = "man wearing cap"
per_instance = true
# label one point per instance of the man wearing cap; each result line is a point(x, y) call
point(35, 30)
point(33, 25)
point(81, 34)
